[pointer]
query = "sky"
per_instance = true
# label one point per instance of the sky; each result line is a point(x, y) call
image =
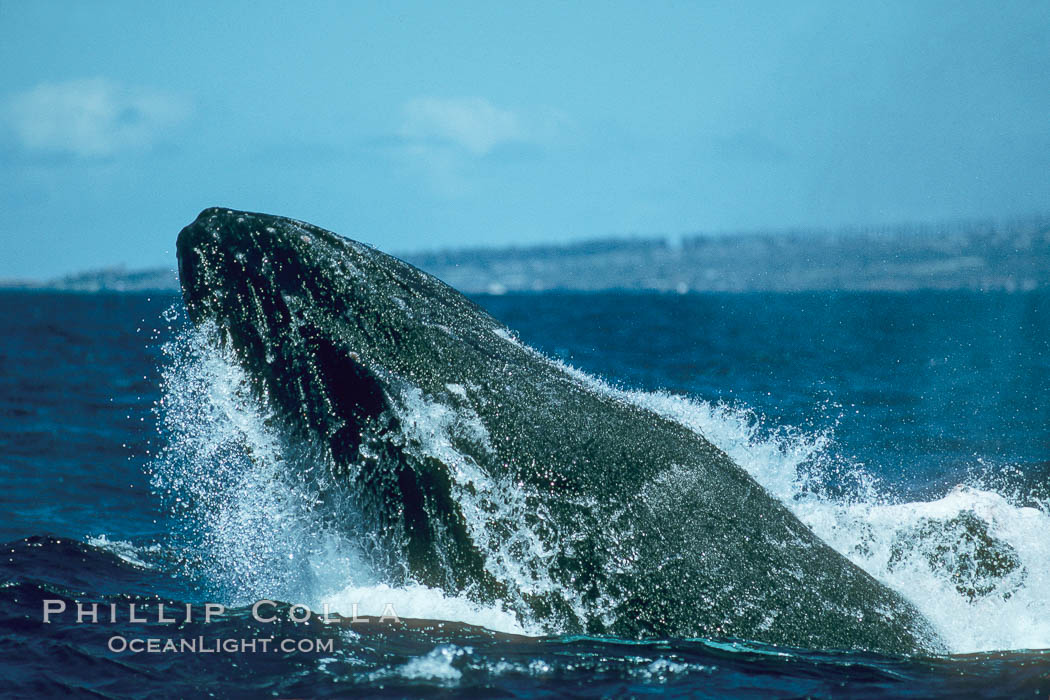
point(416, 126)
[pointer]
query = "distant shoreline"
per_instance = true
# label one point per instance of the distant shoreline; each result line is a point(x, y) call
point(979, 256)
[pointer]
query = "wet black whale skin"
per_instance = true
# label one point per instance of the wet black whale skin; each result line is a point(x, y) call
point(645, 528)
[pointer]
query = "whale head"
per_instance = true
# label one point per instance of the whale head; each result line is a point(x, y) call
point(323, 325)
point(331, 334)
point(508, 476)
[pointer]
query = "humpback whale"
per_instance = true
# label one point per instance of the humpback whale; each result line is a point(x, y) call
point(486, 469)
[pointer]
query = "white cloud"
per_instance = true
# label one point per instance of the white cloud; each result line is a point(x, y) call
point(445, 137)
point(472, 123)
point(92, 117)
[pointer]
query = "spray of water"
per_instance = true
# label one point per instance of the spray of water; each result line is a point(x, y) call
point(258, 514)
point(259, 517)
point(975, 562)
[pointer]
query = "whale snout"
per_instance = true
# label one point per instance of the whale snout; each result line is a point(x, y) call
point(253, 276)
point(220, 254)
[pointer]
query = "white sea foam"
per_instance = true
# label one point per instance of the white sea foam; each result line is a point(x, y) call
point(127, 551)
point(437, 665)
point(420, 602)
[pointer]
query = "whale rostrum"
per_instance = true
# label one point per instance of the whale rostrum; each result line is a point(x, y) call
point(491, 471)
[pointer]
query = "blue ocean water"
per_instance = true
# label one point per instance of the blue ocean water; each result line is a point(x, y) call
point(871, 415)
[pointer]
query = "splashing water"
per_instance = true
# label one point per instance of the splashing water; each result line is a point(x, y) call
point(249, 521)
point(976, 562)
point(258, 519)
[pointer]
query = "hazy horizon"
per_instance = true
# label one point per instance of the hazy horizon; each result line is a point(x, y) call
point(968, 224)
point(420, 127)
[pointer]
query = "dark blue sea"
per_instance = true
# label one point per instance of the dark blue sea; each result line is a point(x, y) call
point(908, 431)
